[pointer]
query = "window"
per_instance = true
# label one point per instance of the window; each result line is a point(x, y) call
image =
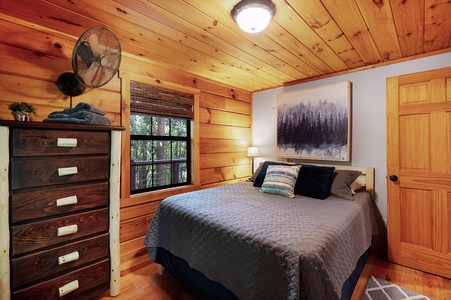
point(160, 138)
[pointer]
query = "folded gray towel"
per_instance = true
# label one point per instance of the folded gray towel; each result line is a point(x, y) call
point(80, 117)
point(82, 113)
point(82, 106)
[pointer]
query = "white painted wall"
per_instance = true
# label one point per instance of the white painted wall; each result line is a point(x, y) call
point(368, 116)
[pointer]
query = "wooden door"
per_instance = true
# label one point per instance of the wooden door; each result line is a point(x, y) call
point(419, 155)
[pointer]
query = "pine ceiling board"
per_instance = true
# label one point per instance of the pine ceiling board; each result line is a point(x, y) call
point(257, 42)
point(304, 56)
point(40, 13)
point(306, 39)
point(207, 24)
point(294, 24)
point(140, 19)
point(242, 47)
point(190, 34)
point(437, 24)
point(275, 40)
point(33, 12)
point(378, 17)
point(165, 46)
point(349, 19)
point(278, 42)
point(318, 18)
point(149, 45)
point(409, 21)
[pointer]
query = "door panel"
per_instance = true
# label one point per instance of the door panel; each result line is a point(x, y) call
point(414, 143)
point(418, 152)
point(416, 209)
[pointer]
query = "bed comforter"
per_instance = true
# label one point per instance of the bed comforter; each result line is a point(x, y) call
point(263, 246)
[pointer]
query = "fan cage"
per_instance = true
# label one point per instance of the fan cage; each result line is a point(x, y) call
point(102, 66)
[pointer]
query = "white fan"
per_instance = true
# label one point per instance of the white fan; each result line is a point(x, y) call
point(95, 60)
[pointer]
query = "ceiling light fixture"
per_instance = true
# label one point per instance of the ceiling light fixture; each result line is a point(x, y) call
point(253, 15)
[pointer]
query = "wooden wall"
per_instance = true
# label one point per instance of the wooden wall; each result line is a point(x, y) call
point(31, 61)
point(32, 58)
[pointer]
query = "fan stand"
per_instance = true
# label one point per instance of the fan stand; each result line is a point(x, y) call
point(69, 84)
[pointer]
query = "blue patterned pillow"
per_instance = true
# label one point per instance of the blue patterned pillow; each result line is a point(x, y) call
point(280, 180)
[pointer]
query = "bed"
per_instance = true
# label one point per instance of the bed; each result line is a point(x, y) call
point(237, 242)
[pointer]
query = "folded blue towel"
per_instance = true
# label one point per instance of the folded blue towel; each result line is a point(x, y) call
point(81, 117)
point(82, 106)
point(83, 113)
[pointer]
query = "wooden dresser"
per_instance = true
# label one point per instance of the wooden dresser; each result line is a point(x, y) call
point(59, 210)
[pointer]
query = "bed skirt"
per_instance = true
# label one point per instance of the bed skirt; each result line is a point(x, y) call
point(202, 288)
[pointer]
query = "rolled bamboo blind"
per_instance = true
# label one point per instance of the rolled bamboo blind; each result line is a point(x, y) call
point(149, 99)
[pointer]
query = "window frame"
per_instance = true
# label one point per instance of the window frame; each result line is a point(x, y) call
point(150, 137)
point(124, 185)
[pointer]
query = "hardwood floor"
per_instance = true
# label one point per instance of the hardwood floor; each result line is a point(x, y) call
point(436, 287)
point(145, 283)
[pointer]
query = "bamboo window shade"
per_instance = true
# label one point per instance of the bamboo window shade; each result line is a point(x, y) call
point(149, 99)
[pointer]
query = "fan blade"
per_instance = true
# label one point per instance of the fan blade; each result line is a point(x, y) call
point(91, 73)
point(85, 53)
point(93, 41)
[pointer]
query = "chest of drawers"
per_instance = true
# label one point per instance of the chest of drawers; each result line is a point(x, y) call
point(59, 206)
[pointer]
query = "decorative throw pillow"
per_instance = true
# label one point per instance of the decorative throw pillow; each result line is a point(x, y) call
point(341, 186)
point(358, 184)
point(314, 181)
point(261, 175)
point(280, 180)
point(257, 171)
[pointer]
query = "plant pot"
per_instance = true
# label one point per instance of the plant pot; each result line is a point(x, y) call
point(21, 116)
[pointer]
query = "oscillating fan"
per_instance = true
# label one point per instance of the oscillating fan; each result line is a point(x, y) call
point(95, 60)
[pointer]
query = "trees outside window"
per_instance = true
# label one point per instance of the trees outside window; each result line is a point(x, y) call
point(159, 152)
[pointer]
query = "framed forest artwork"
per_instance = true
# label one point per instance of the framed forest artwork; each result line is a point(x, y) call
point(315, 123)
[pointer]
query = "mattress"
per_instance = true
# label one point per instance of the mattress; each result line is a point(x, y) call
point(263, 246)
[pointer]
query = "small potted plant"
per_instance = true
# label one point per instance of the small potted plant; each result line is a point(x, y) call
point(22, 110)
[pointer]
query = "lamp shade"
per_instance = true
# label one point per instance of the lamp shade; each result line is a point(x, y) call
point(253, 15)
point(252, 152)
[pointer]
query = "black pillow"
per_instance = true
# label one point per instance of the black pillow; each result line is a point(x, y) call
point(314, 181)
point(261, 176)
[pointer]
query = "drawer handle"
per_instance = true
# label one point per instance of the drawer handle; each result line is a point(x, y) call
point(68, 257)
point(65, 142)
point(67, 288)
point(66, 201)
point(71, 229)
point(67, 171)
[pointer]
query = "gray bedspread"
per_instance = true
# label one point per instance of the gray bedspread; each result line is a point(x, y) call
point(263, 246)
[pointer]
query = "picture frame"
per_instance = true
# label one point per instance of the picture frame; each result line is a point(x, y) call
point(315, 123)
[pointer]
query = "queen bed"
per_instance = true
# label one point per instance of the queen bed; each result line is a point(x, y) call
point(242, 241)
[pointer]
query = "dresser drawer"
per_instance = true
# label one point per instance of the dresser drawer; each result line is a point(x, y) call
point(85, 278)
point(46, 263)
point(36, 235)
point(45, 202)
point(43, 172)
point(42, 142)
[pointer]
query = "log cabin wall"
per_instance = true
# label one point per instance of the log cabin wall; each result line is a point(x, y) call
point(31, 59)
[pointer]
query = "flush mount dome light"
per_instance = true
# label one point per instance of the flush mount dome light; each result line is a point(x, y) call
point(253, 15)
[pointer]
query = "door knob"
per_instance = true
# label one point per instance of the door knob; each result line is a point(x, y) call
point(393, 178)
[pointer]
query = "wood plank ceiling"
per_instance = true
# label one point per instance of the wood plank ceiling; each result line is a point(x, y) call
point(306, 39)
